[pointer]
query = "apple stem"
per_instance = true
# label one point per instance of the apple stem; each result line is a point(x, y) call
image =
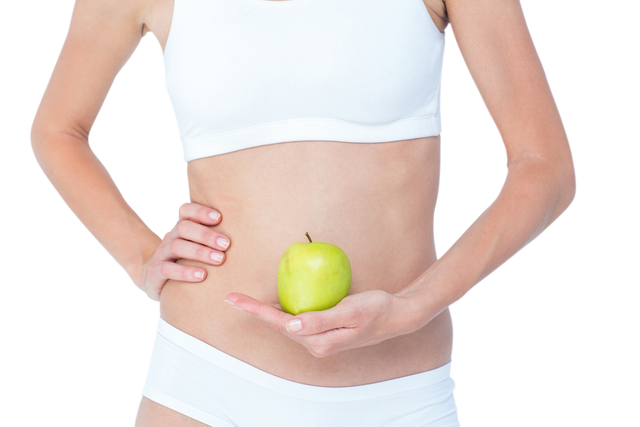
point(307, 234)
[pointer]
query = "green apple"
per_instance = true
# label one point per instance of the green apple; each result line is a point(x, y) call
point(312, 276)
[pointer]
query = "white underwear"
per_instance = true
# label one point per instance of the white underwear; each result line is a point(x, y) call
point(208, 385)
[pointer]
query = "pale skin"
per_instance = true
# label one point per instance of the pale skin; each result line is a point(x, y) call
point(375, 201)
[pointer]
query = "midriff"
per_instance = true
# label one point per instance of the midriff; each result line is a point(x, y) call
point(375, 201)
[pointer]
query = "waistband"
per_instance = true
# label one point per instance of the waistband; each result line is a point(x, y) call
point(294, 389)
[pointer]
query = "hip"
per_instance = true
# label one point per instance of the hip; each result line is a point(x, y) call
point(208, 385)
point(205, 316)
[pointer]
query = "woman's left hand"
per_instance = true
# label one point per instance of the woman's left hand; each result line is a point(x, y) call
point(359, 320)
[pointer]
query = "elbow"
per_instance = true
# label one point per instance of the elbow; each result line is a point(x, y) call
point(556, 179)
point(562, 175)
point(567, 195)
point(571, 187)
point(556, 182)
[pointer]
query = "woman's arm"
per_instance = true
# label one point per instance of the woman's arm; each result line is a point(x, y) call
point(101, 38)
point(540, 184)
point(89, 191)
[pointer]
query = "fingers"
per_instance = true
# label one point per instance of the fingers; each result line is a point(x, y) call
point(179, 248)
point(189, 230)
point(191, 217)
point(170, 270)
point(199, 213)
point(157, 272)
point(182, 243)
point(191, 238)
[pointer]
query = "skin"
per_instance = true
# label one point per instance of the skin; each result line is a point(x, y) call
point(237, 201)
point(268, 195)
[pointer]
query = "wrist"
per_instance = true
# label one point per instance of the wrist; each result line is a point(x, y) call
point(136, 269)
point(409, 314)
point(421, 302)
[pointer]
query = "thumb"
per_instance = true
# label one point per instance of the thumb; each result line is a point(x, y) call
point(294, 325)
point(315, 322)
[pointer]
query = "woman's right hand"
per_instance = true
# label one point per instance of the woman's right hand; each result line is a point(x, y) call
point(189, 239)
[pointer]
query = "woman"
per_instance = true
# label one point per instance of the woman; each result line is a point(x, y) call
point(296, 116)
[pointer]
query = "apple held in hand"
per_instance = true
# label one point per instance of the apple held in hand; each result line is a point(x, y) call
point(312, 277)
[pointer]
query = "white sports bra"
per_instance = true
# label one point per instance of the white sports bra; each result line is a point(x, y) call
point(245, 73)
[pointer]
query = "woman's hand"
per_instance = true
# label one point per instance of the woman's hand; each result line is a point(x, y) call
point(189, 239)
point(358, 320)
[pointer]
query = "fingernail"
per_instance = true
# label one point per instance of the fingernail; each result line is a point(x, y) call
point(199, 274)
point(216, 256)
point(214, 215)
point(233, 305)
point(294, 325)
point(222, 242)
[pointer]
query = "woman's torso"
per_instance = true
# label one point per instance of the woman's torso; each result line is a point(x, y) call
point(375, 201)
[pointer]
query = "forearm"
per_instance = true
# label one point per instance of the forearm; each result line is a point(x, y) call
point(535, 193)
point(87, 188)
